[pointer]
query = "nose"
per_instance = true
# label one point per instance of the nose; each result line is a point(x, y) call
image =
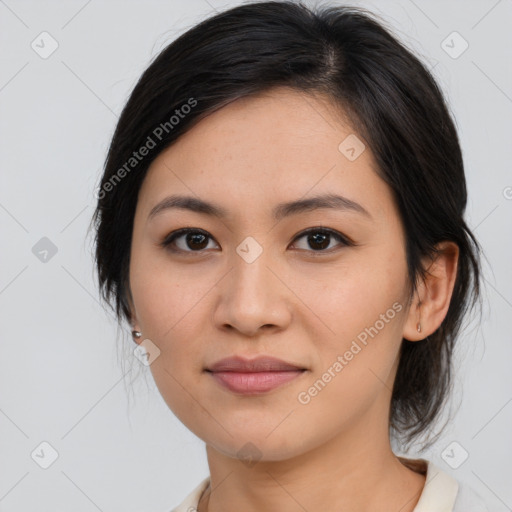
point(253, 297)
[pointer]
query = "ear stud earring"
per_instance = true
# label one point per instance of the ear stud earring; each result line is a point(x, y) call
point(136, 335)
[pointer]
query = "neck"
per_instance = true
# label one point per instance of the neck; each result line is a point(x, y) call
point(345, 473)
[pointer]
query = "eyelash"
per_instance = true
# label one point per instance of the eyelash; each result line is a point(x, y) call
point(343, 240)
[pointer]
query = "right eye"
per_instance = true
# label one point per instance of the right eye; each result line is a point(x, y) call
point(191, 239)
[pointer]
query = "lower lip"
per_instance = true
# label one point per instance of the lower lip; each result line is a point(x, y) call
point(256, 382)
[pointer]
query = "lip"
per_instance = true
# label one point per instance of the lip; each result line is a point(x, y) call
point(253, 376)
point(258, 364)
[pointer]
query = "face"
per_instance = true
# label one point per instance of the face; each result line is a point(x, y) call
point(323, 288)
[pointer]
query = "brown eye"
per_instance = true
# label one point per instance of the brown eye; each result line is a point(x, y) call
point(319, 239)
point(187, 240)
point(190, 240)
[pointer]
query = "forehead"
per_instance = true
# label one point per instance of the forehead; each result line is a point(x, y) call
point(261, 150)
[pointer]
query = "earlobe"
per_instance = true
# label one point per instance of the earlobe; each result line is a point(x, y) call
point(415, 327)
point(136, 335)
point(434, 294)
point(136, 332)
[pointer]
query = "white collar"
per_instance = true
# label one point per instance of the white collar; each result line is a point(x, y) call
point(438, 494)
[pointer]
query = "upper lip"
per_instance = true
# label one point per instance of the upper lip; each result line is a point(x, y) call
point(258, 364)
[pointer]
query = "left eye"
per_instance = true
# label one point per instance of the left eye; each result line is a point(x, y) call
point(319, 238)
point(196, 240)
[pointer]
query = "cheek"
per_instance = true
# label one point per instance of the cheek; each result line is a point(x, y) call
point(166, 295)
point(168, 306)
point(347, 298)
point(354, 365)
point(358, 315)
point(170, 311)
point(171, 302)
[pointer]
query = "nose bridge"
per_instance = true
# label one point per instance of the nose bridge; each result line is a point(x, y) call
point(251, 295)
point(250, 274)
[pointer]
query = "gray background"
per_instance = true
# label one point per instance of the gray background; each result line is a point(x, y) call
point(68, 377)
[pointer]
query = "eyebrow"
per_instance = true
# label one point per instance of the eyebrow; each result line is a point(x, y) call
point(279, 212)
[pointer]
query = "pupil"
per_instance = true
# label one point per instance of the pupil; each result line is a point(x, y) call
point(321, 239)
point(195, 238)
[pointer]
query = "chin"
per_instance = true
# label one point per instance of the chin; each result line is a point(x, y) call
point(252, 447)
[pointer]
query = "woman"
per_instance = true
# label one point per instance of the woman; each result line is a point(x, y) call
point(281, 222)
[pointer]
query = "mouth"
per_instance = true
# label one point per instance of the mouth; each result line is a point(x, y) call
point(255, 382)
point(255, 376)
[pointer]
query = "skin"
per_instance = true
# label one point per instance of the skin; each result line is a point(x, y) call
point(292, 302)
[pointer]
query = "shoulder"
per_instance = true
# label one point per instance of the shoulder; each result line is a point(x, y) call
point(442, 492)
point(189, 504)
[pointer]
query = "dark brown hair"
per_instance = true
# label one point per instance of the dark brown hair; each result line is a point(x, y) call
point(393, 103)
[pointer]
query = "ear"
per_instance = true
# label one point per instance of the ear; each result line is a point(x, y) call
point(431, 304)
